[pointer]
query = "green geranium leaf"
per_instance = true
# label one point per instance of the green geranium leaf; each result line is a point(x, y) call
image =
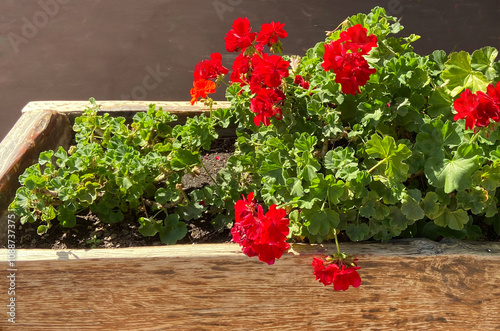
point(488, 177)
point(305, 143)
point(392, 156)
point(273, 166)
point(459, 75)
point(455, 220)
point(410, 206)
point(124, 182)
point(297, 189)
point(339, 158)
point(326, 187)
point(440, 103)
point(440, 58)
point(166, 194)
point(455, 174)
point(320, 221)
point(434, 136)
point(42, 229)
point(495, 154)
point(48, 213)
point(45, 157)
point(357, 232)
point(474, 232)
point(189, 212)
point(483, 60)
point(184, 159)
point(149, 226)
point(173, 230)
point(310, 172)
point(66, 217)
point(473, 200)
point(430, 205)
point(114, 217)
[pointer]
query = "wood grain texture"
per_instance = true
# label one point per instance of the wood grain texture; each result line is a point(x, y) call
point(407, 285)
point(77, 107)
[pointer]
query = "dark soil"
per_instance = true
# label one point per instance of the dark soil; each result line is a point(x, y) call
point(90, 232)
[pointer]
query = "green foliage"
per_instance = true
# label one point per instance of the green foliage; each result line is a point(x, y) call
point(386, 162)
point(116, 170)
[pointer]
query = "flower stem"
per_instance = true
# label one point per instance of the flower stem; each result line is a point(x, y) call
point(337, 242)
point(474, 137)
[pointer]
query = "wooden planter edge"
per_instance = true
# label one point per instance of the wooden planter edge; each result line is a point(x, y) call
point(398, 248)
point(406, 284)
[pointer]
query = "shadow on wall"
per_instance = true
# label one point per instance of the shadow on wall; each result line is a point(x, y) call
point(137, 50)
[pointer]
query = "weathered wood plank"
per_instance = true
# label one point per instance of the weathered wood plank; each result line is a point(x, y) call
point(122, 108)
point(119, 105)
point(406, 285)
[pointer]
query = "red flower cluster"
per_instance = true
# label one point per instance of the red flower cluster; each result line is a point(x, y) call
point(264, 105)
point(203, 71)
point(345, 57)
point(341, 273)
point(239, 38)
point(478, 109)
point(210, 69)
point(270, 34)
point(260, 235)
point(264, 73)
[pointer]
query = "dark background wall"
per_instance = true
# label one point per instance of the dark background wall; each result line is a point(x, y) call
point(146, 50)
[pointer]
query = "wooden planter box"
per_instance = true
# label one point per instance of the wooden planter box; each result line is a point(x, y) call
point(406, 284)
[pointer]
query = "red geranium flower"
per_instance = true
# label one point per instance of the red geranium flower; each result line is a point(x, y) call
point(245, 207)
point(240, 37)
point(241, 69)
point(201, 87)
point(210, 69)
point(325, 273)
point(270, 32)
point(345, 58)
point(351, 69)
point(357, 40)
point(268, 70)
point(299, 80)
point(478, 109)
point(266, 104)
point(492, 95)
point(339, 271)
point(258, 234)
point(347, 276)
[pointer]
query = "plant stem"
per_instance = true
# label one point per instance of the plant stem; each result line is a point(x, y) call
point(208, 173)
point(474, 137)
point(375, 166)
point(337, 242)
